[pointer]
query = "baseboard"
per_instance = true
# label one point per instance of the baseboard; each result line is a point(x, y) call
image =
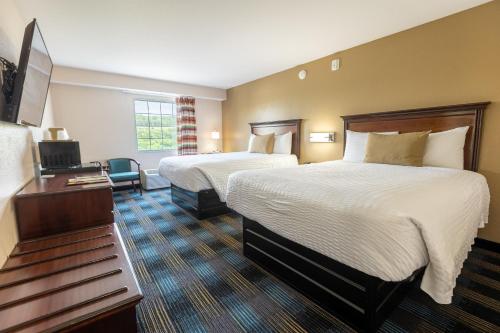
point(487, 244)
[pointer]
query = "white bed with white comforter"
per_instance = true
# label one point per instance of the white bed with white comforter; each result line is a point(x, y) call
point(384, 220)
point(206, 171)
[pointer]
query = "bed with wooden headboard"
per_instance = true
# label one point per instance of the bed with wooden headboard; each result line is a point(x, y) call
point(280, 127)
point(205, 203)
point(437, 119)
point(362, 300)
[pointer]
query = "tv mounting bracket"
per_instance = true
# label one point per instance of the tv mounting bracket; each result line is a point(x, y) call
point(7, 78)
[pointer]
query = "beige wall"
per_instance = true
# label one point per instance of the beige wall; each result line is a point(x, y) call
point(103, 121)
point(88, 78)
point(450, 61)
point(17, 143)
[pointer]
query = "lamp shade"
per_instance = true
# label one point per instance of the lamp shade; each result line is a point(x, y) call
point(56, 134)
point(322, 137)
point(215, 135)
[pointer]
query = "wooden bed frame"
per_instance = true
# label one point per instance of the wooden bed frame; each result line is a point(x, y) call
point(206, 203)
point(363, 301)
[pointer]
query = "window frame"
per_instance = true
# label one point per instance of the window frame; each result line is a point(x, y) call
point(174, 109)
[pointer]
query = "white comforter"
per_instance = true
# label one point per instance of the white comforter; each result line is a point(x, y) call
point(201, 172)
point(384, 220)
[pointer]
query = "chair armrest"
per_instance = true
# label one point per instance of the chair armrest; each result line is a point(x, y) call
point(137, 163)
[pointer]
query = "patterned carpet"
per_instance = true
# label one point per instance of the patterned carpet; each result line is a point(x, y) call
point(195, 279)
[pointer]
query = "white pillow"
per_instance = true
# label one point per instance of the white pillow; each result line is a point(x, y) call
point(283, 144)
point(250, 141)
point(355, 145)
point(446, 149)
point(262, 144)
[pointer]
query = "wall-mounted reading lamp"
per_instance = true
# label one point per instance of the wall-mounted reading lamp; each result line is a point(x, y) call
point(322, 137)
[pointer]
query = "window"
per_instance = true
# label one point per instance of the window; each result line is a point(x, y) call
point(156, 125)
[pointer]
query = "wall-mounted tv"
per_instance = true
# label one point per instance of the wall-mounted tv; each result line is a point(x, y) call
point(32, 80)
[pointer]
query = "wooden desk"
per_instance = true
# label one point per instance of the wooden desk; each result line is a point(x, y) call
point(80, 282)
point(48, 206)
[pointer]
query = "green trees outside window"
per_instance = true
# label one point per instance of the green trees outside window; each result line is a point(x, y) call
point(156, 125)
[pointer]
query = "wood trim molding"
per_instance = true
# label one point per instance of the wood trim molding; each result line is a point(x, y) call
point(57, 271)
point(51, 247)
point(60, 288)
point(72, 307)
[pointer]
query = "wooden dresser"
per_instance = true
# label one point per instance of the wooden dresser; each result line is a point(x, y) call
point(80, 281)
point(48, 206)
point(70, 272)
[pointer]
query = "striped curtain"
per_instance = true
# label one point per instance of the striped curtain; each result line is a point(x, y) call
point(186, 126)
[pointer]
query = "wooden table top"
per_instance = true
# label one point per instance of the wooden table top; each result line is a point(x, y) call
point(58, 183)
point(60, 281)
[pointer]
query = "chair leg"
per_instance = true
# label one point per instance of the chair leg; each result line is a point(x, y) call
point(133, 185)
point(140, 186)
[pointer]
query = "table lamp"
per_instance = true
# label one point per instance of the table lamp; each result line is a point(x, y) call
point(215, 135)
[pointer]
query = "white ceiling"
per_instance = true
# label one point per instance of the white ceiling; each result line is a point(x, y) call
point(218, 43)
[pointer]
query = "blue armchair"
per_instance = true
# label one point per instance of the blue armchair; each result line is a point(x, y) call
point(120, 170)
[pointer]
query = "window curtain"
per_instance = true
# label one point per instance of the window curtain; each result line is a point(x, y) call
point(186, 126)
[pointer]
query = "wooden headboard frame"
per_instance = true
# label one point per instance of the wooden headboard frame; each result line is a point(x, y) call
point(280, 127)
point(437, 119)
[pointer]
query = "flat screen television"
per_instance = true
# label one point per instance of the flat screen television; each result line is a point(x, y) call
point(32, 79)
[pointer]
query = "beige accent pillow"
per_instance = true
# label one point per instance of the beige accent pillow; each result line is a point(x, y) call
point(261, 144)
point(401, 149)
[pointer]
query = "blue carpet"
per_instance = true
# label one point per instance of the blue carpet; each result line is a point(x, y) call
point(195, 279)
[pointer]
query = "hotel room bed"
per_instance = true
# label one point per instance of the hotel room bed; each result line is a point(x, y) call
point(199, 181)
point(352, 236)
point(384, 220)
point(211, 171)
